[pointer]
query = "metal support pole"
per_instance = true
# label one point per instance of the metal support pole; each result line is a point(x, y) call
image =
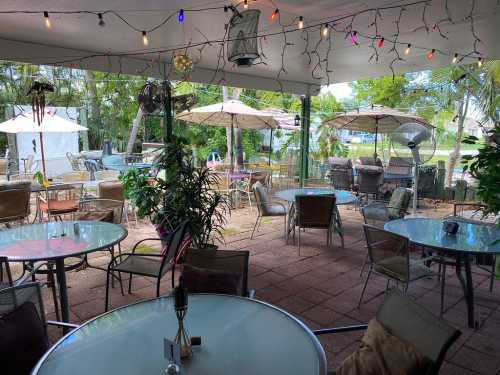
point(304, 139)
point(167, 111)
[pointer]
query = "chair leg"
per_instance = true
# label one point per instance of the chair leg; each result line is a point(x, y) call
point(130, 284)
point(255, 226)
point(158, 287)
point(286, 228)
point(106, 300)
point(52, 286)
point(364, 286)
point(299, 241)
point(492, 276)
point(443, 280)
point(121, 283)
point(364, 265)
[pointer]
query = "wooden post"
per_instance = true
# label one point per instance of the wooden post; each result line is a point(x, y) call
point(441, 177)
point(304, 139)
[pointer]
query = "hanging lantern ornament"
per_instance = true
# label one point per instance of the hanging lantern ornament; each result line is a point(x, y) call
point(183, 63)
point(242, 37)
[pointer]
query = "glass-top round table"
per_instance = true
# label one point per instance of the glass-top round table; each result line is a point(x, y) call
point(472, 238)
point(56, 241)
point(343, 197)
point(238, 336)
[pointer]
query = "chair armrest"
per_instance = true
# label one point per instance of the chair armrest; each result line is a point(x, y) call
point(62, 324)
point(272, 203)
point(143, 240)
point(327, 331)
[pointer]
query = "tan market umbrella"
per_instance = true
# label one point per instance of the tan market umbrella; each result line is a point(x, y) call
point(377, 119)
point(51, 123)
point(231, 113)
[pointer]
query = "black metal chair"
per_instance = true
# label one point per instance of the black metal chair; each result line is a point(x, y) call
point(411, 323)
point(390, 258)
point(150, 264)
point(341, 173)
point(217, 266)
point(23, 329)
point(319, 212)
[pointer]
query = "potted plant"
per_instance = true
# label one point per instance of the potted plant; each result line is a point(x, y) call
point(179, 191)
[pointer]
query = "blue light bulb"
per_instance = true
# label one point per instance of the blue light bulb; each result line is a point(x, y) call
point(180, 16)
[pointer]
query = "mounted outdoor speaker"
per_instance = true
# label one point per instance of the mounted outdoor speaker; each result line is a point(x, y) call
point(242, 38)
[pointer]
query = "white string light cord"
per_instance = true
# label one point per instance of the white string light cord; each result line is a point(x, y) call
point(320, 62)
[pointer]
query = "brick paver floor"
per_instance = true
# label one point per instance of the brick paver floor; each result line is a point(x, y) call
point(321, 287)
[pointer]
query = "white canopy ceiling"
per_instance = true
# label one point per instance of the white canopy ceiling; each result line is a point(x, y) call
point(24, 37)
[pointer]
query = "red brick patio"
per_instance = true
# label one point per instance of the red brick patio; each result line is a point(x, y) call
point(321, 288)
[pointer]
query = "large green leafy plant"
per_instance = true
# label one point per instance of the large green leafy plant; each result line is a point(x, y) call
point(179, 192)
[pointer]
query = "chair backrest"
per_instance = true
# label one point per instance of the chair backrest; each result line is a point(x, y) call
point(369, 160)
point(22, 177)
point(73, 161)
point(5, 274)
point(75, 176)
point(341, 173)
point(412, 323)
point(14, 204)
point(314, 211)
point(426, 180)
point(175, 243)
point(259, 176)
point(221, 260)
point(111, 190)
point(261, 197)
point(13, 297)
point(106, 174)
point(98, 209)
point(64, 192)
point(370, 178)
point(389, 251)
point(398, 204)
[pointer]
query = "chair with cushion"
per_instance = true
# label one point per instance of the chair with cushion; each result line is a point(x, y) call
point(216, 271)
point(61, 199)
point(389, 257)
point(379, 213)
point(341, 173)
point(23, 328)
point(154, 265)
point(14, 201)
point(403, 339)
point(320, 212)
point(266, 207)
point(370, 179)
point(106, 174)
point(114, 190)
point(369, 160)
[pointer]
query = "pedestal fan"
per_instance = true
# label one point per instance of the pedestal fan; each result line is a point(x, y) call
point(416, 142)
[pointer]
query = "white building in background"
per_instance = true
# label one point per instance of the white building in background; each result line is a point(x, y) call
point(471, 127)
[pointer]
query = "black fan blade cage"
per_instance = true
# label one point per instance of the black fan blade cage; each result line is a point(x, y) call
point(242, 37)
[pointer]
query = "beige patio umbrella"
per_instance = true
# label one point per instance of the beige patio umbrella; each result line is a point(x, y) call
point(51, 123)
point(231, 113)
point(376, 119)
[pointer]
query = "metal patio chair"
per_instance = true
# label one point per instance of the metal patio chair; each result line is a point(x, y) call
point(390, 258)
point(413, 324)
point(14, 202)
point(378, 213)
point(266, 207)
point(341, 173)
point(154, 265)
point(370, 179)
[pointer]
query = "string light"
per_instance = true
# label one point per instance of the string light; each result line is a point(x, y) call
point(479, 62)
point(301, 22)
point(101, 20)
point(381, 43)
point(430, 54)
point(324, 30)
point(354, 37)
point(408, 49)
point(180, 16)
point(455, 59)
point(145, 39)
point(245, 4)
point(48, 24)
point(275, 15)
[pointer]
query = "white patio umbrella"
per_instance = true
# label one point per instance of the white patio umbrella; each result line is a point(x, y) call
point(377, 119)
point(231, 113)
point(51, 123)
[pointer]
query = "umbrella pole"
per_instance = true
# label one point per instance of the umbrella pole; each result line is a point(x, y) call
point(232, 143)
point(376, 137)
point(43, 156)
point(270, 147)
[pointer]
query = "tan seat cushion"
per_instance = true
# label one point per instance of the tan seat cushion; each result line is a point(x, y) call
point(381, 352)
point(60, 207)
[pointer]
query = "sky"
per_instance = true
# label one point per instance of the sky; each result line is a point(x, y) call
point(340, 90)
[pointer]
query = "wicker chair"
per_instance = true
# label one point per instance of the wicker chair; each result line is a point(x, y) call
point(411, 323)
point(28, 339)
point(154, 265)
point(218, 263)
point(320, 212)
point(390, 258)
point(266, 208)
point(14, 201)
point(341, 173)
point(370, 179)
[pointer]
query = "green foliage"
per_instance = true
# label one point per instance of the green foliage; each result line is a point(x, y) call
point(179, 192)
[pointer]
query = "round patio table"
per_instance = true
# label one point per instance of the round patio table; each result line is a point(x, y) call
point(238, 336)
point(55, 241)
point(343, 197)
point(471, 239)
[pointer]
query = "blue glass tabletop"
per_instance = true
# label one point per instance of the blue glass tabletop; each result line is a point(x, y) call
point(343, 197)
point(238, 336)
point(471, 237)
point(53, 240)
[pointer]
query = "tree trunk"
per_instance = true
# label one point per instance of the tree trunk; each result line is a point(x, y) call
point(229, 141)
point(463, 108)
point(134, 131)
point(95, 111)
